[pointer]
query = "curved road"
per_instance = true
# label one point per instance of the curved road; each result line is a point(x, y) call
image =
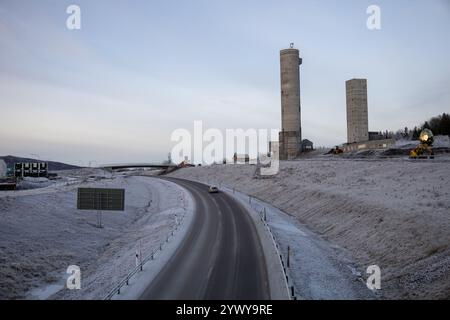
point(220, 257)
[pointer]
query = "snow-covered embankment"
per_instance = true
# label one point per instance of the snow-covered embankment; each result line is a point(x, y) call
point(42, 233)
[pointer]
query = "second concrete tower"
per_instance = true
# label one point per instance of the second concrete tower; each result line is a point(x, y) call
point(357, 118)
point(290, 136)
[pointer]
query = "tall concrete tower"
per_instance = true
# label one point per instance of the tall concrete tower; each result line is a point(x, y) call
point(290, 136)
point(357, 117)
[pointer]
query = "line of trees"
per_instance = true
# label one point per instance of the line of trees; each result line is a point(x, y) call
point(439, 125)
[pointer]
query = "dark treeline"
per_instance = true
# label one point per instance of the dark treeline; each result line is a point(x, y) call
point(439, 125)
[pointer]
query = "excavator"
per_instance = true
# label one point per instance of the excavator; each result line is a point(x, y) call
point(335, 150)
point(424, 150)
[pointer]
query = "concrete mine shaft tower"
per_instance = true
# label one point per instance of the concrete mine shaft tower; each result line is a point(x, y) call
point(357, 117)
point(290, 136)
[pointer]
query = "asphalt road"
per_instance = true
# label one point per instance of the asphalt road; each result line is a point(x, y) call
point(220, 257)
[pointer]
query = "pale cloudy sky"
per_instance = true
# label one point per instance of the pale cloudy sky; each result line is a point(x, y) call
point(137, 70)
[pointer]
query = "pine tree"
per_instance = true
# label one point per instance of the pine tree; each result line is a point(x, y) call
point(416, 134)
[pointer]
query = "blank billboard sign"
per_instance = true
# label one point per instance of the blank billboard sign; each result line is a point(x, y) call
point(101, 199)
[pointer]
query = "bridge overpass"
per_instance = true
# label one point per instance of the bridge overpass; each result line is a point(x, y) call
point(139, 165)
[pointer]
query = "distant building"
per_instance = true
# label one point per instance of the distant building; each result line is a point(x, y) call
point(373, 135)
point(368, 145)
point(357, 116)
point(3, 168)
point(241, 158)
point(31, 169)
point(307, 145)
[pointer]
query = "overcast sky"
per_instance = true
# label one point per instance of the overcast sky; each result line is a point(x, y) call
point(137, 70)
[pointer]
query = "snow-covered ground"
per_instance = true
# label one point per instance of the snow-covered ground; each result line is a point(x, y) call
point(42, 233)
point(394, 213)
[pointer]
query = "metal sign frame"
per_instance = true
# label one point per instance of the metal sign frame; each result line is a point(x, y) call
point(101, 199)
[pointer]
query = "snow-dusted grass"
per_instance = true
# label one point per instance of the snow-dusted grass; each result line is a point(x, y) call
point(42, 233)
point(392, 213)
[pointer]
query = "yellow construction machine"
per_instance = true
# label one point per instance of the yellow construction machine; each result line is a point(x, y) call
point(424, 150)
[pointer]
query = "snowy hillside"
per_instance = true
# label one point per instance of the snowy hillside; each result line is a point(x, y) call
point(42, 233)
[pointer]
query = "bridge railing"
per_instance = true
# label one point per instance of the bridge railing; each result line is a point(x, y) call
point(137, 165)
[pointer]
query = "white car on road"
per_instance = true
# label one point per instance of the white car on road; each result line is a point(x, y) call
point(213, 189)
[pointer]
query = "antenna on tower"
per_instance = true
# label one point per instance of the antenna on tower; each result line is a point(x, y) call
point(291, 45)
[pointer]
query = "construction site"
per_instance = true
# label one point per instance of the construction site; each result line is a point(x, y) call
point(370, 200)
point(359, 139)
point(154, 160)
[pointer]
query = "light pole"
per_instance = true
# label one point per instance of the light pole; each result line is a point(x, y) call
point(91, 162)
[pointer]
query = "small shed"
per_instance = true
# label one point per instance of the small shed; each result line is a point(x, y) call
point(241, 158)
point(307, 145)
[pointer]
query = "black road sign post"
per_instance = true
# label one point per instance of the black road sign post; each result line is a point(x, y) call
point(101, 199)
point(99, 211)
